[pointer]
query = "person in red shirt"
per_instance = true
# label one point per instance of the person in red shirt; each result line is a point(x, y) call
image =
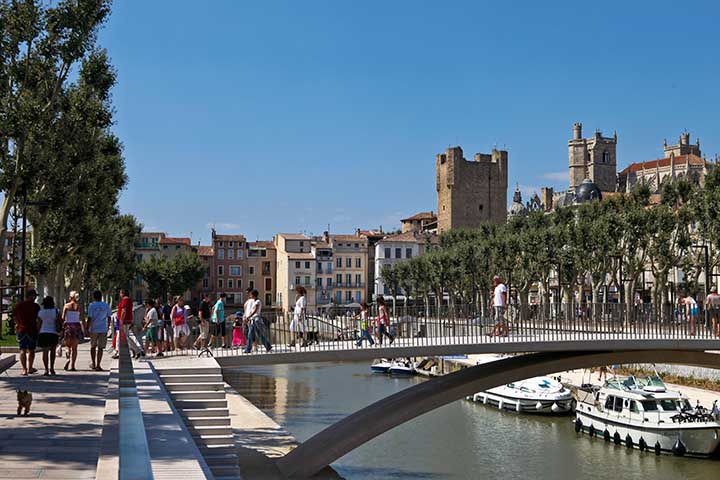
point(125, 317)
point(25, 315)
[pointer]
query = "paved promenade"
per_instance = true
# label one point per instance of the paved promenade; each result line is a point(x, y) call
point(60, 439)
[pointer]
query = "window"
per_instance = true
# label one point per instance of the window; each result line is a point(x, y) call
point(358, 280)
point(386, 290)
point(221, 254)
point(231, 244)
point(230, 283)
point(328, 282)
point(268, 284)
point(302, 244)
point(221, 270)
point(268, 300)
point(252, 270)
point(348, 296)
point(235, 270)
point(220, 283)
point(338, 279)
point(408, 253)
point(297, 264)
point(251, 284)
point(649, 405)
point(348, 262)
point(318, 282)
point(618, 404)
point(220, 244)
point(206, 282)
point(633, 406)
point(481, 207)
point(609, 402)
point(606, 157)
point(239, 253)
point(307, 279)
point(238, 283)
point(357, 245)
point(338, 262)
point(307, 265)
point(358, 296)
point(387, 252)
point(319, 267)
point(338, 297)
point(297, 280)
point(668, 405)
point(266, 268)
point(358, 262)
point(231, 253)
point(398, 253)
point(348, 279)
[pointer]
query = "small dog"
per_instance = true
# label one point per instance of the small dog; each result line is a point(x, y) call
point(24, 401)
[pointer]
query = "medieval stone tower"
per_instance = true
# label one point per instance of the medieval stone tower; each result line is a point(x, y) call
point(593, 158)
point(471, 192)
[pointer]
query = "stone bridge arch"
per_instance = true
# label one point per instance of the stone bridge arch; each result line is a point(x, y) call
point(358, 428)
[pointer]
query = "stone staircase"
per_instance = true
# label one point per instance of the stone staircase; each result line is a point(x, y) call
point(198, 394)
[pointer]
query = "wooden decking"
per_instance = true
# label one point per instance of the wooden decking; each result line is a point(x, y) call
point(60, 439)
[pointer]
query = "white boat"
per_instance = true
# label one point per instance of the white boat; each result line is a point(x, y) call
point(381, 365)
point(534, 395)
point(402, 367)
point(641, 413)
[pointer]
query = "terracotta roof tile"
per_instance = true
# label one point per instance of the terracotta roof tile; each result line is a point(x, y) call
point(205, 251)
point(421, 216)
point(175, 241)
point(663, 162)
point(262, 244)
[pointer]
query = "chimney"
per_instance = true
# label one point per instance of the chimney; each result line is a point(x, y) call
point(577, 131)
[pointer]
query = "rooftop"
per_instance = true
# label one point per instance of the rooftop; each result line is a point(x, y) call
point(420, 216)
point(407, 237)
point(664, 162)
point(175, 241)
point(205, 251)
point(262, 244)
point(229, 237)
point(293, 236)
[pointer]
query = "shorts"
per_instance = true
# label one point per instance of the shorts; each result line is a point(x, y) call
point(218, 329)
point(204, 330)
point(165, 331)
point(47, 340)
point(98, 340)
point(499, 314)
point(27, 341)
point(181, 330)
point(152, 334)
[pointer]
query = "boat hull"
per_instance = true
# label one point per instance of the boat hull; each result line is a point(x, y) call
point(697, 440)
point(543, 406)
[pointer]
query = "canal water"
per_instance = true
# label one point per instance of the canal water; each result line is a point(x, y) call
point(462, 440)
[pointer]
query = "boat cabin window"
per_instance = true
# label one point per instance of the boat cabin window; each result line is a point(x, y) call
point(618, 404)
point(668, 405)
point(649, 405)
point(633, 406)
point(609, 402)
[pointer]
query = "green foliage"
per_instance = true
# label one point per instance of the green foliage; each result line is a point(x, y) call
point(171, 276)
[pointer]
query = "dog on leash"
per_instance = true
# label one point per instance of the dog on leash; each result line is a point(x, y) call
point(24, 401)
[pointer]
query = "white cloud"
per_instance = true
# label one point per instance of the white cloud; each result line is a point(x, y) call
point(555, 176)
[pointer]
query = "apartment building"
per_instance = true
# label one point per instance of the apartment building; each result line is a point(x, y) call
point(350, 256)
point(398, 248)
point(324, 276)
point(205, 285)
point(156, 244)
point(229, 269)
point(261, 268)
point(295, 266)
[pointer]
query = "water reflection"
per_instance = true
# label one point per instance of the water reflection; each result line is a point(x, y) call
point(459, 441)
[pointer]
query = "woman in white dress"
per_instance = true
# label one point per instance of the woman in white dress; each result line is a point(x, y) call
point(297, 326)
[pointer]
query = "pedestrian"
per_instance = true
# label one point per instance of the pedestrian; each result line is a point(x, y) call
point(151, 327)
point(72, 328)
point(204, 314)
point(297, 325)
point(257, 331)
point(167, 323)
point(48, 338)
point(247, 308)
point(181, 330)
point(218, 321)
point(691, 311)
point(364, 326)
point(98, 314)
point(125, 319)
point(25, 315)
point(238, 338)
point(712, 304)
point(499, 295)
point(382, 321)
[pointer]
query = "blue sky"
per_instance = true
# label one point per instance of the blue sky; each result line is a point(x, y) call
point(271, 116)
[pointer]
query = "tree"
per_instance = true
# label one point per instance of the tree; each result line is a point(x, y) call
point(39, 47)
point(171, 276)
point(389, 275)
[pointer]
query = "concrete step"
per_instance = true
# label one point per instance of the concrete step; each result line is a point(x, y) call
point(218, 440)
point(190, 412)
point(199, 395)
point(221, 459)
point(213, 450)
point(207, 421)
point(210, 430)
point(197, 404)
point(191, 378)
point(225, 470)
point(195, 386)
point(189, 371)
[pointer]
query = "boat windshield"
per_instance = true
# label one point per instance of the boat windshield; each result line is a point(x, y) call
point(669, 405)
point(649, 405)
point(650, 381)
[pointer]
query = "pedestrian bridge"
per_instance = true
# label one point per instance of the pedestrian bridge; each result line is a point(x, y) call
point(545, 347)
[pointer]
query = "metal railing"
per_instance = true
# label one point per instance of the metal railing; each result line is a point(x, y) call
point(466, 324)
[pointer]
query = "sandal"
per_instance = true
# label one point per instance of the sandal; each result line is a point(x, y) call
point(67, 365)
